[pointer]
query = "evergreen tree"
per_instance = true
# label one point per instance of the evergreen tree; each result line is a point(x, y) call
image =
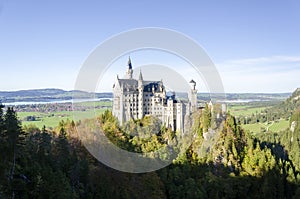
point(1, 121)
point(11, 135)
point(3, 148)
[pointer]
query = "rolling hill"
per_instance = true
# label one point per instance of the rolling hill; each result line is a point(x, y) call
point(49, 94)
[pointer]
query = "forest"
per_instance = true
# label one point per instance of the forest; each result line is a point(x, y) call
point(218, 159)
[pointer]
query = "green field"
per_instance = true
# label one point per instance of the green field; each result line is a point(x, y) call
point(96, 103)
point(254, 128)
point(275, 126)
point(244, 110)
point(52, 119)
point(279, 126)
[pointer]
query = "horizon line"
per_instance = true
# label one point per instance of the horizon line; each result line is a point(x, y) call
point(206, 92)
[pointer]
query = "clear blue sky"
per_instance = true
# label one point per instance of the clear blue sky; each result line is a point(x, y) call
point(255, 44)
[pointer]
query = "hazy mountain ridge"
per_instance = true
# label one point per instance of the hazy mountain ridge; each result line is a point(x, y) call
point(288, 106)
point(47, 95)
point(295, 95)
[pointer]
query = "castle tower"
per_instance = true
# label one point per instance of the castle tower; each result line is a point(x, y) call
point(129, 70)
point(140, 96)
point(193, 96)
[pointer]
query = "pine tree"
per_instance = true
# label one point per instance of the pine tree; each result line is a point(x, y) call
point(61, 150)
point(1, 121)
point(11, 135)
point(3, 148)
point(12, 132)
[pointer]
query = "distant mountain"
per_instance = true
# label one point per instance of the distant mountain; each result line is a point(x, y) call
point(238, 96)
point(288, 106)
point(293, 101)
point(295, 95)
point(52, 94)
point(49, 94)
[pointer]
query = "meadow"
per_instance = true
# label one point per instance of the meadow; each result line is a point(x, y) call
point(83, 110)
point(246, 110)
point(274, 126)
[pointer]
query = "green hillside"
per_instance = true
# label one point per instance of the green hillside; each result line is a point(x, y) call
point(216, 159)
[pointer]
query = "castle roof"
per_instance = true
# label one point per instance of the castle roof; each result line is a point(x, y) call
point(132, 85)
point(149, 85)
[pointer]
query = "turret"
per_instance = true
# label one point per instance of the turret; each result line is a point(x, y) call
point(193, 84)
point(140, 81)
point(193, 96)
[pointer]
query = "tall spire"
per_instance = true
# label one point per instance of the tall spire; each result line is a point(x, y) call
point(129, 70)
point(140, 75)
point(129, 63)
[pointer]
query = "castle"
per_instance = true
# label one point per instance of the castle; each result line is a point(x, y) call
point(136, 98)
